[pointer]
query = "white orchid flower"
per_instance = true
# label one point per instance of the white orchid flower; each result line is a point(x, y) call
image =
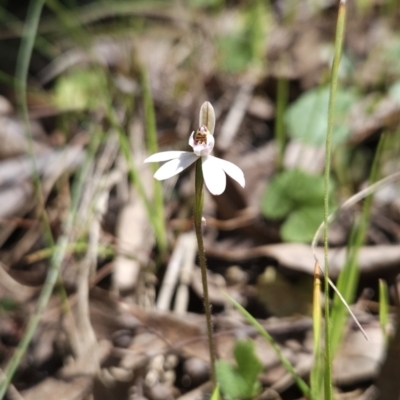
point(202, 141)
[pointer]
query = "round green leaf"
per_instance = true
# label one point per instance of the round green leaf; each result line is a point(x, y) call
point(302, 224)
point(276, 202)
point(307, 118)
point(291, 190)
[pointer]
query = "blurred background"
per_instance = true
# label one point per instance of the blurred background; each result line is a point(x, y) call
point(98, 260)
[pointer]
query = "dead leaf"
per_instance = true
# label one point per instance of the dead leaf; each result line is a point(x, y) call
point(359, 359)
point(371, 259)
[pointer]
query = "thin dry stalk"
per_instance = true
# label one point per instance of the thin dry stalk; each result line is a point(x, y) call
point(172, 275)
point(182, 293)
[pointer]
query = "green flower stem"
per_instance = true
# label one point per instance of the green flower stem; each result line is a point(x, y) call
point(198, 211)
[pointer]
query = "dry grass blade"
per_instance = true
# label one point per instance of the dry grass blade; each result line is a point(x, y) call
point(182, 293)
point(172, 275)
point(235, 116)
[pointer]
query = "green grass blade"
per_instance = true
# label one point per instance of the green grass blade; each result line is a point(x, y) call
point(87, 14)
point(333, 88)
point(133, 171)
point(348, 278)
point(16, 26)
point(151, 132)
point(302, 385)
point(66, 20)
point(383, 307)
point(80, 35)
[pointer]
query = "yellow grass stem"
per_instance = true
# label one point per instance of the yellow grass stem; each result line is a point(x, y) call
point(317, 372)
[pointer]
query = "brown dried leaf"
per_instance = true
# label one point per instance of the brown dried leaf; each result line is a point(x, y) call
point(371, 259)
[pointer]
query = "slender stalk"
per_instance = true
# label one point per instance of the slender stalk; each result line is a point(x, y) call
point(328, 146)
point(198, 211)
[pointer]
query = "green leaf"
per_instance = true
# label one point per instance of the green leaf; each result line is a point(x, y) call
point(81, 90)
point(276, 202)
point(215, 395)
point(302, 224)
point(7, 304)
point(305, 188)
point(290, 190)
point(249, 365)
point(244, 46)
point(307, 117)
point(240, 382)
point(235, 52)
point(231, 383)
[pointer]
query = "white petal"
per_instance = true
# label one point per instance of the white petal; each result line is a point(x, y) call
point(232, 170)
point(165, 156)
point(173, 167)
point(214, 175)
point(191, 139)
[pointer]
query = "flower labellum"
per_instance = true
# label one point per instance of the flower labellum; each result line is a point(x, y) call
point(202, 141)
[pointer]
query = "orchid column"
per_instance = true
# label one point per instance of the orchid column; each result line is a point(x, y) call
point(211, 171)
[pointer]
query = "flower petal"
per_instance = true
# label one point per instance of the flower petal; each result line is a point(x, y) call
point(214, 175)
point(165, 156)
point(191, 139)
point(173, 167)
point(232, 170)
